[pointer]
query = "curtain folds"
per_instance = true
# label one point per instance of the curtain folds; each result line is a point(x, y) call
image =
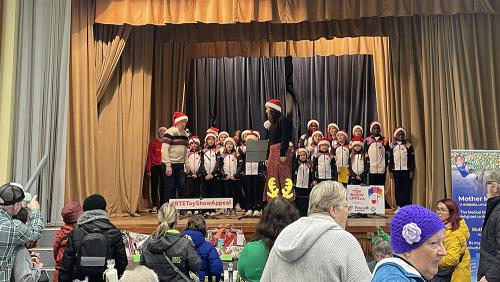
point(160, 12)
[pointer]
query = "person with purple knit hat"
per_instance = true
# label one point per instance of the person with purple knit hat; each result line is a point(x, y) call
point(417, 236)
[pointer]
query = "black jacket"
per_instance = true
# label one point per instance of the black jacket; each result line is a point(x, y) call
point(178, 249)
point(69, 269)
point(489, 259)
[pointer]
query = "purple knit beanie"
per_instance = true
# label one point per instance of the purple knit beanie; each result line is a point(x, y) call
point(411, 226)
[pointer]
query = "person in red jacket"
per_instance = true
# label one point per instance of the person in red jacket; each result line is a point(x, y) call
point(155, 169)
point(70, 214)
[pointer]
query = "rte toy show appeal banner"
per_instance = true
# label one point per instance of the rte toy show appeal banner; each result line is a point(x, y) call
point(471, 170)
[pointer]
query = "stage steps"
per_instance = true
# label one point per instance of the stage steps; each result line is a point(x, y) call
point(44, 247)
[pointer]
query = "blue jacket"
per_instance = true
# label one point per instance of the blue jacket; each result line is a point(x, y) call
point(211, 265)
point(396, 269)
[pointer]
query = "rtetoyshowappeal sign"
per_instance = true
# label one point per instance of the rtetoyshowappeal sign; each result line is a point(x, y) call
point(199, 204)
point(366, 199)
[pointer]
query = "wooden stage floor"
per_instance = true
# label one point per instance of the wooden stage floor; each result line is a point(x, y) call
point(362, 228)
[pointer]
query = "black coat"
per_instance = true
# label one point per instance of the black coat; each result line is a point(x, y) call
point(178, 249)
point(69, 269)
point(489, 259)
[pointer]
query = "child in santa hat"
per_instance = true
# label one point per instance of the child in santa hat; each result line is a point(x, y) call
point(324, 167)
point(253, 175)
point(305, 140)
point(401, 166)
point(358, 166)
point(302, 178)
point(332, 130)
point(231, 166)
point(210, 171)
point(377, 150)
point(193, 170)
point(312, 147)
point(220, 144)
point(341, 153)
point(357, 131)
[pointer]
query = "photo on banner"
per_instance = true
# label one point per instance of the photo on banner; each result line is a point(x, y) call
point(470, 171)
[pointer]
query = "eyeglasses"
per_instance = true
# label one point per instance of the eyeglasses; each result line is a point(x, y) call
point(442, 210)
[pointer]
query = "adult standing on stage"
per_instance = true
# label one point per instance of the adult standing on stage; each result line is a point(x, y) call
point(279, 162)
point(174, 156)
point(156, 169)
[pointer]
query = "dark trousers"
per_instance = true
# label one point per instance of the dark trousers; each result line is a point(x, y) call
point(175, 183)
point(376, 179)
point(354, 181)
point(157, 175)
point(210, 188)
point(402, 183)
point(253, 187)
point(302, 200)
point(232, 189)
point(193, 187)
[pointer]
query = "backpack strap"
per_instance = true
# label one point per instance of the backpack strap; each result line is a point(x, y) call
point(177, 269)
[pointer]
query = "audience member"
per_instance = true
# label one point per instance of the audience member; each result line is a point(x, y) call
point(317, 247)
point(167, 252)
point(13, 232)
point(94, 220)
point(489, 257)
point(417, 236)
point(381, 248)
point(278, 213)
point(139, 273)
point(211, 264)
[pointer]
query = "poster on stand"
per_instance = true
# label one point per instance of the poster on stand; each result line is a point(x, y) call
point(366, 199)
point(470, 171)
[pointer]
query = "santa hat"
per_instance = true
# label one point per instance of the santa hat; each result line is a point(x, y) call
point(311, 122)
point(333, 125)
point(210, 135)
point(274, 104)
point(267, 124)
point(373, 123)
point(178, 117)
point(342, 132)
point(195, 139)
point(398, 129)
point(214, 131)
point(254, 135)
point(245, 132)
point(229, 139)
point(317, 132)
point(301, 150)
point(356, 140)
point(357, 127)
point(324, 141)
point(223, 133)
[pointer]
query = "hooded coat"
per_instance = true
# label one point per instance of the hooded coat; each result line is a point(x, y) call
point(178, 249)
point(457, 252)
point(211, 264)
point(316, 248)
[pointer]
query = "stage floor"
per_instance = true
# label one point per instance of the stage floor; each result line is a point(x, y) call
point(146, 223)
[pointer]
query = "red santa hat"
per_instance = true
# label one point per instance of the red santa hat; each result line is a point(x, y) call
point(342, 132)
point(178, 117)
point(245, 132)
point(195, 139)
point(316, 133)
point(223, 133)
point(301, 150)
point(324, 141)
point(229, 139)
point(210, 135)
point(311, 122)
point(398, 129)
point(357, 126)
point(373, 123)
point(274, 104)
point(253, 135)
point(333, 125)
point(213, 130)
point(356, 140)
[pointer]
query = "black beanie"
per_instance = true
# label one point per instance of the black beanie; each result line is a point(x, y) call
point(94, 202)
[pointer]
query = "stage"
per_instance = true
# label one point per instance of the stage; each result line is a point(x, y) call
point(361, 228)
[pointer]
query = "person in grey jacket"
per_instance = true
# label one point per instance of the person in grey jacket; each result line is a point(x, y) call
point(489, 258)
point(167, 242)
point(25, 268)
point(317, 248)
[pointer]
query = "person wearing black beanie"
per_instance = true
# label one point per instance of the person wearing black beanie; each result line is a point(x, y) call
point(94, 202)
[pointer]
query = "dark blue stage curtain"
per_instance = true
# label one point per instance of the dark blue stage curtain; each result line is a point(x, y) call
point(230, 93)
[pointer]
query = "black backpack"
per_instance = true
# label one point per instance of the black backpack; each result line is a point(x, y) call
point(94, 250)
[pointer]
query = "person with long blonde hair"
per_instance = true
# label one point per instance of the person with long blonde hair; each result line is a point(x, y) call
point(167, 252)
